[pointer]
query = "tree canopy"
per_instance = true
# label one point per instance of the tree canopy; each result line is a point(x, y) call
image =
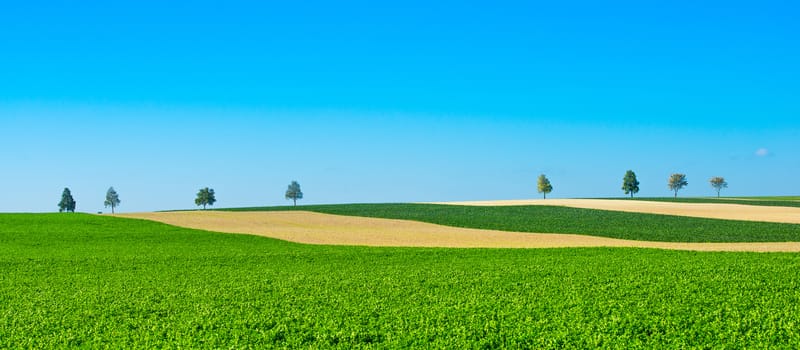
point(67, 203)
point(112, 199)
point(205, 197)
point(676, 182)
point(718, 183)
point(629, 183)
point(543, 185)
point(293, 192)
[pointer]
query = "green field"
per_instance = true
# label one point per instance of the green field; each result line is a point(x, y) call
point(555, 219)
point(776, 198)
point(76, 280)
point(781, 201)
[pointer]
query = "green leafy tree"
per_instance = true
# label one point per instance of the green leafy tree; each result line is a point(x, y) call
point(718, 183)
point(205, 197)
point(676, 182)
point(629, 183)
point(67, 202)
point(293, 192)
point(543, 185)
point(112, 199)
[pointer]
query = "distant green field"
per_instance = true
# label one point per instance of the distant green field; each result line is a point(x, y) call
point(771, 198)
point(76, 280)
point(555, 219)
point(785, 201)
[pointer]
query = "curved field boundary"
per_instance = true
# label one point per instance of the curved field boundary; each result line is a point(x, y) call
point(760, 201)
point(316, 228)
point(562, 219)
point(790, 215)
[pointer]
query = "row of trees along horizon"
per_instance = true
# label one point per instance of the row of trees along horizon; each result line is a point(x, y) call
point(206, 196)
point(630, 185)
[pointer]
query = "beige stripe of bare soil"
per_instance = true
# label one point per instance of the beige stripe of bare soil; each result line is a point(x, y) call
point(699, 210)
point(316, 228)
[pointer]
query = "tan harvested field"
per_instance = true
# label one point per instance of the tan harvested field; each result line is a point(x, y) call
point(700, 210)
point(316, 228)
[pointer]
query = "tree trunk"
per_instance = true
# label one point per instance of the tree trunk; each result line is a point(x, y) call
point(676, 194)
point(204, 206)
point(112, 209)
point(295, 201)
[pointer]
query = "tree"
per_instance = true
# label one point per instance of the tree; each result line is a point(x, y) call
point(543, 186)
point(677, 182)
point(205, 197)
point(293, 192)
point(67, 202)
point(112, 199)
point(629, 183)
point(718, 183)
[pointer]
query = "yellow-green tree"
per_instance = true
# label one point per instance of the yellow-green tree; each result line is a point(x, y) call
point(718, 183)
point(676, 182)
point(543, 185)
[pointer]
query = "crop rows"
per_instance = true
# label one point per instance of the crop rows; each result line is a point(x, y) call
point(79, 280)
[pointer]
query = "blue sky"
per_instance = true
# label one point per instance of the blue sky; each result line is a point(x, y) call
point(390, 102)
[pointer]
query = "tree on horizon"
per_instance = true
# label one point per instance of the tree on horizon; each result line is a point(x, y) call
point(543, 185)
point(112, 199)
point(676, 182)
point(718, 183)
point(293, 192)
point(629, 183)
point(205, 197)
point(67, 203)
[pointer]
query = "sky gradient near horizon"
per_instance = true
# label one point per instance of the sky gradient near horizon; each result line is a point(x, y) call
point(393, 102)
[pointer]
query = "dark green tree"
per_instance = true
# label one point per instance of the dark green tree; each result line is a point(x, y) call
point(543, 185)
point(718, 183)
point(112, 199)
point(67, 202)
point(205, 197)
point(293, 192)
point(629, 183)
point(676, 182)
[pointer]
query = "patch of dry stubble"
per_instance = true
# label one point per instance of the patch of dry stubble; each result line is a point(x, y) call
point(316, 228)
point(725, 211)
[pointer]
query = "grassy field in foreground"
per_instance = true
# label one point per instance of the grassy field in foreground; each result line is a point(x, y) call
point(784, 201)
point(76, 280)
point(554, 219)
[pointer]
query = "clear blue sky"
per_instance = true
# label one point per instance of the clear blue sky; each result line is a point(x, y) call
point(389, 102)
